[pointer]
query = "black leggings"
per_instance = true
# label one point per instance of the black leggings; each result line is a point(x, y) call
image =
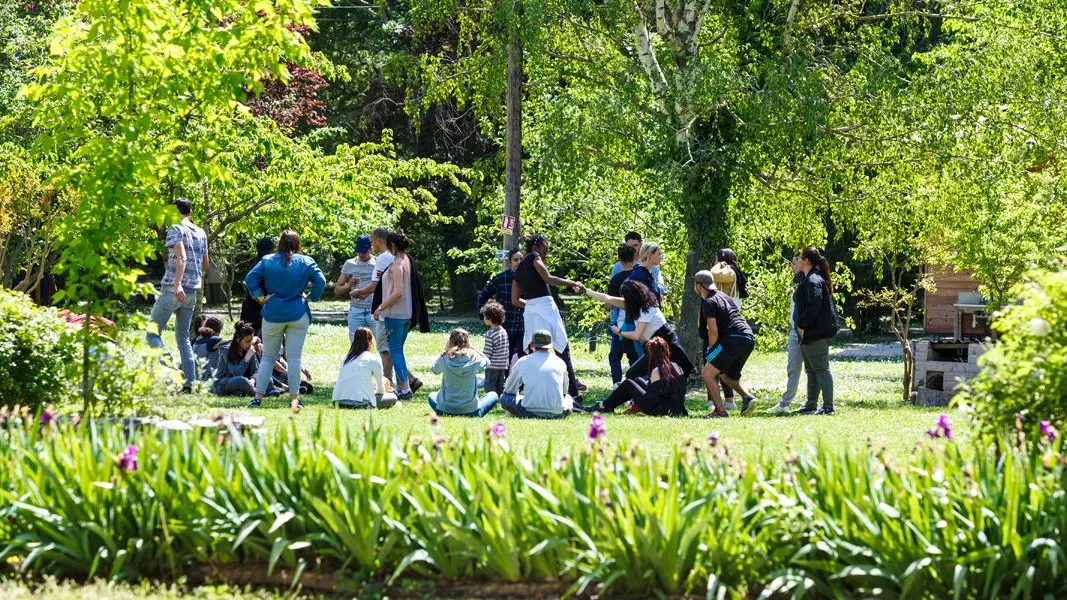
point(651, 398)
point(678, 355)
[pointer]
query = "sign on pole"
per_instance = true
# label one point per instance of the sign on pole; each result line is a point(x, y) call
point(501, 254)
point(507, 223)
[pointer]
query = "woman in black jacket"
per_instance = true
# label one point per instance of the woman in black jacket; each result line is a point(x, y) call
point(815, 321)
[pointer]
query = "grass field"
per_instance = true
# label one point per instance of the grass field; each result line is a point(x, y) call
point(867, 399)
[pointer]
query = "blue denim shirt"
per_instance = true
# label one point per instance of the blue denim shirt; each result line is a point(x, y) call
point(287, 283)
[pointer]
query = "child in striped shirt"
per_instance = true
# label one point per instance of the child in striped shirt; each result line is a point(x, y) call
point(496, 347)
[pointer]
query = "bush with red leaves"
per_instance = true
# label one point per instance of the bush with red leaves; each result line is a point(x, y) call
point(295, 107)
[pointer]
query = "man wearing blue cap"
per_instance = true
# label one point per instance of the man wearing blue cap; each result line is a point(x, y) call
point(355, 271)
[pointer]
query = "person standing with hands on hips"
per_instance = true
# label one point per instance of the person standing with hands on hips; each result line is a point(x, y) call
point(279, 281)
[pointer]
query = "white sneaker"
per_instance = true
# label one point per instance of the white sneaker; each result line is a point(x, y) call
point(779, 410)
point(729, 405)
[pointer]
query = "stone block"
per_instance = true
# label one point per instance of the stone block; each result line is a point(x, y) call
point(928, 397)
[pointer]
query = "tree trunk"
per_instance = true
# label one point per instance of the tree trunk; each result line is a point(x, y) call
point(513, 157)
point(909, 367)
point(688, 330)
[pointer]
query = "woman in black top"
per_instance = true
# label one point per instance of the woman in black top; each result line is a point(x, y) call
point(531, 293)
point(664, 392)
point(815, 320)
point(251, 309)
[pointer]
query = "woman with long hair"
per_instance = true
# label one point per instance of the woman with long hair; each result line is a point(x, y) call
point(642, 308)
point(815, 320)
point(459, 365)
point(360, 384)
point(280, 283)
point(664, 392)
point(399, 308)
point(530, 291)
point(237, 368)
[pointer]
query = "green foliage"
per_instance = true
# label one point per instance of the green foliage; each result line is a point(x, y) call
point(1025, 372)
point(940, 521)
point(37, 353)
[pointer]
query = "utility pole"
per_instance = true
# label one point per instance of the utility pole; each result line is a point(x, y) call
point(513, 156)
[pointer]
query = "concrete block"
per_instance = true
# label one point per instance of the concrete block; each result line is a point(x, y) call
point(928, 397)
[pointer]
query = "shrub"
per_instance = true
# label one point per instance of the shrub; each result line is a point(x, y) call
point(339, 507)
point(1025, 372)
point(37, 352)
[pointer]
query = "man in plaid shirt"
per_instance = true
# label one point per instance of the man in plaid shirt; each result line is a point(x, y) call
point(499, 289)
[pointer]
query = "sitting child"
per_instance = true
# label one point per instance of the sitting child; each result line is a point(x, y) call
point(360, 383)
point(208, 346)
point(496, 347)
point(236, 372)
point(459, 366)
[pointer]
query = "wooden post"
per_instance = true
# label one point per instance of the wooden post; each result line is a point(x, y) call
point(513, 156)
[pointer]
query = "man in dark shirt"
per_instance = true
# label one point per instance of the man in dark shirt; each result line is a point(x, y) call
point(619, 344)
point(499, 289)
point(729, 340)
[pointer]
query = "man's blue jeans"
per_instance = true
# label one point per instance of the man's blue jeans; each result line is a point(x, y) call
point(166, 305)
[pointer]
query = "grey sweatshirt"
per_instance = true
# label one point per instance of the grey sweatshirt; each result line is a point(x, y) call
point(459, 381)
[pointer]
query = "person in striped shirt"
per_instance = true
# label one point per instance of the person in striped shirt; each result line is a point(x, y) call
point(496, 347)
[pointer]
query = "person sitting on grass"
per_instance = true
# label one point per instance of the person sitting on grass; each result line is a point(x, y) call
point(729, 342)
point(360, 383)
point(664, 391)
point(459, 365)
point(236, 372)
point(208, 345)
point(496, 347)
point(543, 374)
point(280, 375)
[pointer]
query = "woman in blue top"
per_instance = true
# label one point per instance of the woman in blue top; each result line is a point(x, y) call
point(650, 256)
point(278, 281)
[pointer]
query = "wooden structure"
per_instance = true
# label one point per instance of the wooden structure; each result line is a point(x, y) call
point(955, 308)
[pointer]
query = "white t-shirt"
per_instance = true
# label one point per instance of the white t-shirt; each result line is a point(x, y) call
point(358, 379)
point(381, 263)
point(544, 377)
point(655, 319)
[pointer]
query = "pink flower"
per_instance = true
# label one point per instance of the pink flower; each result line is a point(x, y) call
point(128, 459)
point(597, 428)
point(497, 430)
point(942, 429)
point(1048, 431)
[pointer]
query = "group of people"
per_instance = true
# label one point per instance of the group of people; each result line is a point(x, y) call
point(525, 364)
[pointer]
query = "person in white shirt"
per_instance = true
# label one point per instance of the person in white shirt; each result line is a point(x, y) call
point(360, 383)
point(543, 375)
point(643, 309)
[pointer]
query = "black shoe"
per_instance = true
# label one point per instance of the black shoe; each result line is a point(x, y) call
point(254, 403)
point(579, 407)
point(825, 411)
point(581, 386)
point(414, 383)
point(806, 410)
point(186, 390)
point(717, 415)
point(748, 405)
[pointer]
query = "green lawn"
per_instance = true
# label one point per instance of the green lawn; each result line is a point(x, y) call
point(867, 398)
